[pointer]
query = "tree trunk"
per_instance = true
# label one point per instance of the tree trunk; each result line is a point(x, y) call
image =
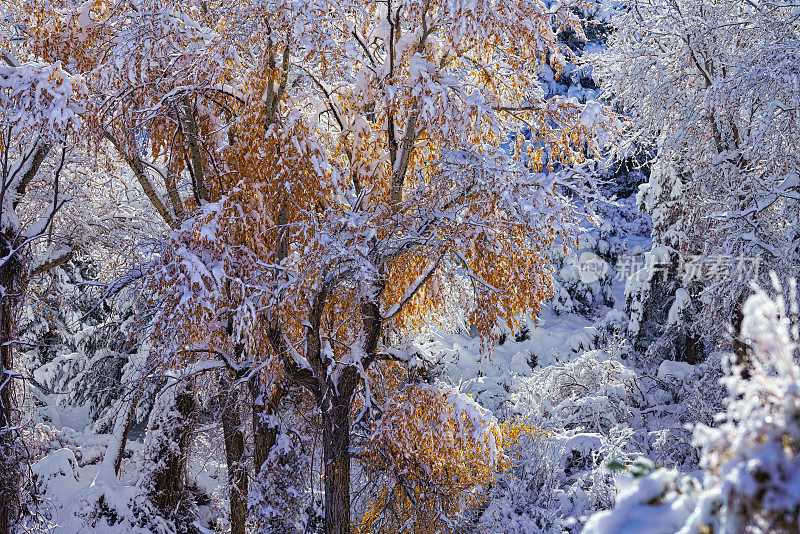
point(741, 356)
point(235, 457)
point(174, 424)
point(264, 433)
point(336, 457)
point(9, 471)
point(128, 424)
point(12, 282)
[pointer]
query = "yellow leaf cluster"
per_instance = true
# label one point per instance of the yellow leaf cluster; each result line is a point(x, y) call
point(432, 455)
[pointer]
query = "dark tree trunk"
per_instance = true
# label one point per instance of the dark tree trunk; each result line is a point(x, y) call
point(128, 424)
point(169, 491)
point(336, 457)
point(333, 399)
point(741, 356)
point(693, 349)
point(235, 457)
point(9, 471)
point(12, 281)
point(264, 433)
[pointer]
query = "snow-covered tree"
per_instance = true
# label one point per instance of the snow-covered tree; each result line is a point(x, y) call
point(710, 83)
point(57, 200)
point(40, 105)
point(154, 71)
point(363, 190)
point(77, 347)
point(172, 421)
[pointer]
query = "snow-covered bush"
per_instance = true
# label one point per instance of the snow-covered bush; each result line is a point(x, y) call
point(750, 460)
point(279, 501)
point(598, 408)
point(554, 482)
point(80, 349)
point(649, 501)
point(755, 451)
point(583, 277)
point(71, 494)
point(594, 393)
point(589, 408)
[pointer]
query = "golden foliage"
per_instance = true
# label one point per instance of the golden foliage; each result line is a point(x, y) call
point(434, 452)
point(350, 157)
point(435, 459)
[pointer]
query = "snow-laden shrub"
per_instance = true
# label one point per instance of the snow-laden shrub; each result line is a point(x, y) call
point(279, 500)
point(114, 508)
point(70, 494)
point(698, 389)
point(750, 460)
point(522, 499)
point(577, 289)
point(589, 406)
point(71, 498)
point(755, 451)
point(594, 392)
point(554, 482)
point(649, 501)
point(624, 227)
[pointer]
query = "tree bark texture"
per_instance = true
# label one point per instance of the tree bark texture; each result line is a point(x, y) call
point(235, 457)
point(336, 456)
point(12, 282)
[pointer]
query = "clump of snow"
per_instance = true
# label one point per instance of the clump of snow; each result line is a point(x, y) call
point(40, 97)
point(682, 303)
point(681, 371)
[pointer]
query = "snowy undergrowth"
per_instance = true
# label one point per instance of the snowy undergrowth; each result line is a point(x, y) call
point(72, 492)
point(750, 459)
point(598, 410)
